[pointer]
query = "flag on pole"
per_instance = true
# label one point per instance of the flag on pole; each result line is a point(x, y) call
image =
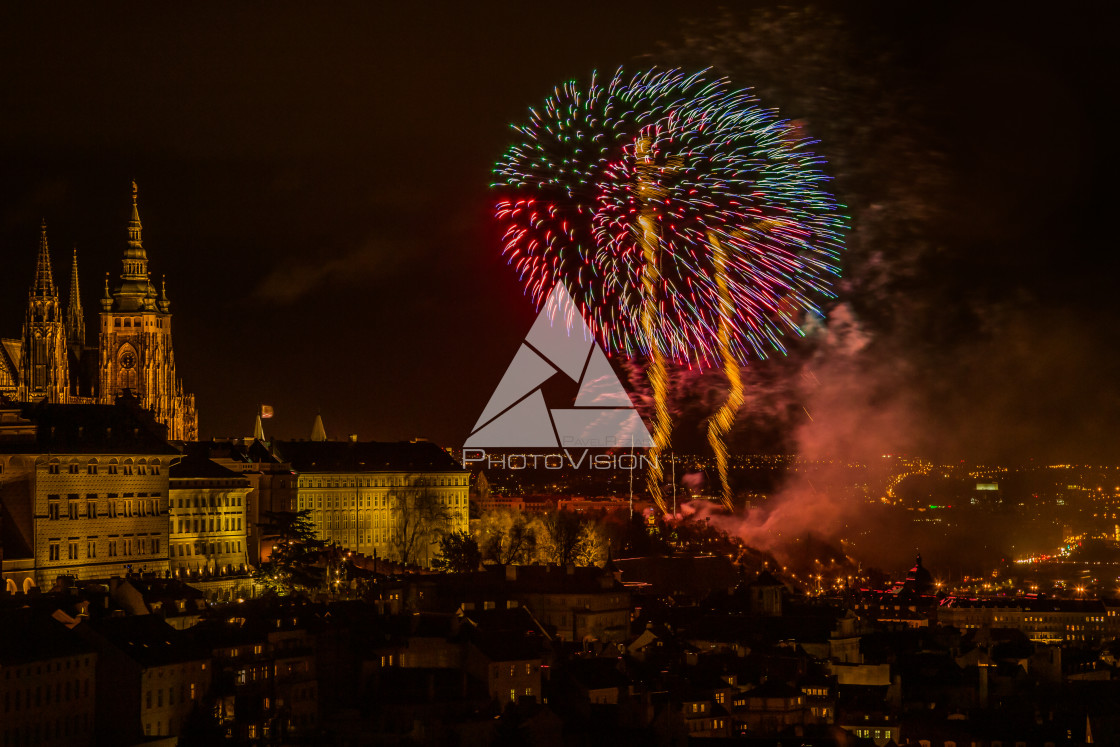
point(266, 411)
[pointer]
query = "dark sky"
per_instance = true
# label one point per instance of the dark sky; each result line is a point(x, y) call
point(313, 183)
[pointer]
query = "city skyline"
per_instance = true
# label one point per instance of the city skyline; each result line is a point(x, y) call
point(321, 214)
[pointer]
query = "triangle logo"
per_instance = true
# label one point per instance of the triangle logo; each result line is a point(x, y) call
point(559, 342)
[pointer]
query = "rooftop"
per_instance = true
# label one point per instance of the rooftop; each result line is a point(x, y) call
point(121, 428)
point(366, 456)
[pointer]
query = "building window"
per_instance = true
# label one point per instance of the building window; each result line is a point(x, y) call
point(91, 548)
point(72, 551)
point(52, 508)
point(91, 469)
point(72, 507)
point(112, 548)
point(52, 469)
point(54, 551)
point(91, 506)
point(74, 469)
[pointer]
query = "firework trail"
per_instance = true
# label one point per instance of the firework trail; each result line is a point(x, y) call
point(648, 192)
point(614, 189)
point(720, 423)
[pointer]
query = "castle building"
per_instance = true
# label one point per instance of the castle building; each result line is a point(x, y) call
point(83, 492)
point(387, 499)
point(272, 486)
point(208, 529)
point(51, 361)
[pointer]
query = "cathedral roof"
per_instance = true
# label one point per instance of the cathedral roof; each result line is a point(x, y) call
point(365, 456)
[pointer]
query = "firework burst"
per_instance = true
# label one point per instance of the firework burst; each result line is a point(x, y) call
point(621, 189)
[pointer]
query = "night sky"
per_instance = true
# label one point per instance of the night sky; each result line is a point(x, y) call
point(314, 185)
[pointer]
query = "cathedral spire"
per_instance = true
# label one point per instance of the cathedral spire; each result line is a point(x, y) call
point(135, 258)
point(43, 287)
point(134, 292)
point(75, 317)
point(134, 226)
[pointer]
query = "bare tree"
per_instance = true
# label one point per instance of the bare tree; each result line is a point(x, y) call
point(507, 536)
point(418, 519)
point(563, 532)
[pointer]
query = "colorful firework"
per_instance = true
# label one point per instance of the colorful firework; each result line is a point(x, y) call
point(615, 189)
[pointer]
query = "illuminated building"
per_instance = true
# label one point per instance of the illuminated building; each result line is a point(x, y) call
point(1075, 622)
point(83, 492)
point(272, 486)
point(43, 363)
point(208, 528)
point(370, 496)
point(51, 360)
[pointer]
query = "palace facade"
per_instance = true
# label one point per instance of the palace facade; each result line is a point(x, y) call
point(83, 492)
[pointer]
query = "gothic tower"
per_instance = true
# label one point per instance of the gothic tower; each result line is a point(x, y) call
point(83, 359)
point(136, 352)
point(75, 317)
point(43, 370)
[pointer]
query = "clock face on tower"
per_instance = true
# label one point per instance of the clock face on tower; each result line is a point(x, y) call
point(128, 360)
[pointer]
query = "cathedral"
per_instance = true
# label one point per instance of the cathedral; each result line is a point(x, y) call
point(51, 360)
